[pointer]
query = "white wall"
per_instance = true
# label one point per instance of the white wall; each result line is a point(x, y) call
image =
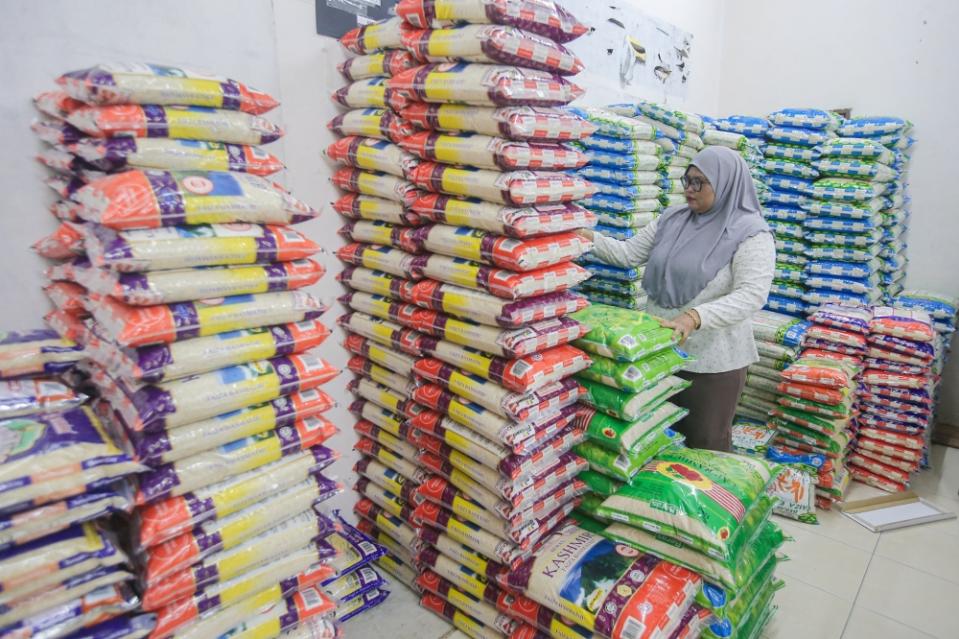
point(702, 18)
point(875, 56)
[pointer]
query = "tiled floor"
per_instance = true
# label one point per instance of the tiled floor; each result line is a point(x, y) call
point(843, 582)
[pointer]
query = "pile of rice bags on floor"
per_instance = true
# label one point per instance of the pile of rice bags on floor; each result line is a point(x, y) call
point(62, 477)
point(857, 215)
point(182, 278)
point(745, 135)
point(625, 410)
point(896, 397)
point(874, 153)
point(630, 169)
point(779, 339)
point(791, 149)
point(817, 412)
point(460, 270)
point(706, 514)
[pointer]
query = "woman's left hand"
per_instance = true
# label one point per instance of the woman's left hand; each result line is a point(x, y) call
point(683, 325)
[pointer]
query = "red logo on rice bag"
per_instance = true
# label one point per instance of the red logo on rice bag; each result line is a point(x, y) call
point(427, 421)
point(122, 201)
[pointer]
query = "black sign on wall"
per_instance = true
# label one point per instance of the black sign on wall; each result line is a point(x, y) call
point(336, 17)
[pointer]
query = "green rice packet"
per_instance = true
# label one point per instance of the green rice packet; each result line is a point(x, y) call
point(709, 500)
point(619, 435)
point(732, 576)
point(628, 405)
point(621, 334)
point(623, 466)
point(599, 483)
point(639, 375)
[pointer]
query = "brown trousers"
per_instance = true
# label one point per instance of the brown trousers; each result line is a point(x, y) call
point(711, 402)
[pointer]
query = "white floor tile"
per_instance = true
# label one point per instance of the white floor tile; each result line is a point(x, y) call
point(932, 548)
point(806, 612)
point(865, 624)
point(399, 617)
point(835, 525)
point(911, 597)
point(833, 566)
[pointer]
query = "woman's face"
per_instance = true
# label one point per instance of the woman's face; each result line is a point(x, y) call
point(698, 191)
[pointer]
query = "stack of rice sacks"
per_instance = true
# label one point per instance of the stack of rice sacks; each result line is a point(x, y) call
point(745, 135)
point(626, 166)
point(708, 513)
point(874, 153)
point(680, 136)
point(458, 309)
point(896, 398)
point(625, 410)
point(779, 340)
point(791, 139)
point(817, 412)
point(843, 226)
point(62, 476)
point(181, 280)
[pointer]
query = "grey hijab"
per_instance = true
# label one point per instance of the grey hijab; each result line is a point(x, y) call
point(690, 249)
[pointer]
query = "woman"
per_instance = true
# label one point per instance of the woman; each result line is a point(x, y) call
point(709, 266)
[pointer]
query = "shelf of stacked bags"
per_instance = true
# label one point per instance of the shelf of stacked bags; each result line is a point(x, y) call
point(182, 278)
point(62, 478)
point(460, 270)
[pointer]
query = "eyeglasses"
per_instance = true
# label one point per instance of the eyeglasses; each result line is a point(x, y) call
point(693, 183)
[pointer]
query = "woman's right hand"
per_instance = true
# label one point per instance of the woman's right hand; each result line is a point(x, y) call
point(586, 234)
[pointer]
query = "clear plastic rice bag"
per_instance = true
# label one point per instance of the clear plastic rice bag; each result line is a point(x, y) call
point(154, 121)
point(496, 44)
point(152, 199)
point(511, 122)
point(484, 85)
point(121, 153)
point(133, 326)
point(544, 17)
point(177, 247)
point(155, 84)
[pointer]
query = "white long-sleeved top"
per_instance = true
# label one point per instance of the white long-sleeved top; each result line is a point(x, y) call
point(725, 341)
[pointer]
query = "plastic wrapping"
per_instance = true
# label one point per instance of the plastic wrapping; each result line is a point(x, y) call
point(513, 222)
point(504, 284)
point(484, 85)
point(517, 188)
point(35, 353)
point(183, 123)
point(133, 326)
point(122, 153)
point(495, 44)
point(494, 153)
point(379, 123)
point(47, 454)
point(28, 396)
point(513, 122)
point(306, 529)
point(152, 199)
point(180, 247)
point(167, 287)
point(372, 65)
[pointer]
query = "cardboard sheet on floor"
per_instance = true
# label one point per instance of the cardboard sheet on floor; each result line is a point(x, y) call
point(901, 510)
